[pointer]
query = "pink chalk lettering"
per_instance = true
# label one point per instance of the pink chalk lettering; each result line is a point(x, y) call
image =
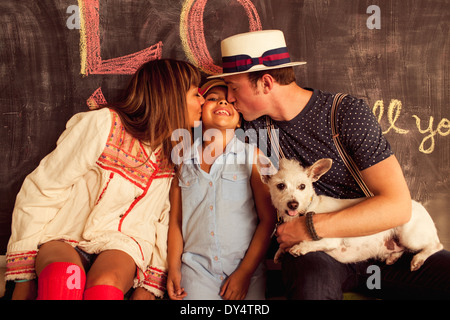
point(122, 65)
point(194, 37)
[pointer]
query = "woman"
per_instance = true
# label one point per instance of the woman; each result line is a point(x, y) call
point(91, 221)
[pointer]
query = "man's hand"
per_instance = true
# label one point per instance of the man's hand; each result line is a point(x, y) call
point(292, 232)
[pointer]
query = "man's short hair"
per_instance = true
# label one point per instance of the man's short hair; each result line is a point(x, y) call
point(283, 76)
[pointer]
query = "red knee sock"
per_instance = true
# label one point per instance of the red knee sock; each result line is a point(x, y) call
point(103, 292)
point(61, 281)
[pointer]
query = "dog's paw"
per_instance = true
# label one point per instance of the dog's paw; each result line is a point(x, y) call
point(299, 250)
point(416, 263)
point(393, 257)
point(278, 255)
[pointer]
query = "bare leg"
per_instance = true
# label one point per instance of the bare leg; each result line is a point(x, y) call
point(113, 268)
point(60, 271)
point(56, 251)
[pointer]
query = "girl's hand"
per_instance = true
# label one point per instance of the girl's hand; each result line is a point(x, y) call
point(142, 294)
point(25, 290)
point(236, 286)
point(174, 289)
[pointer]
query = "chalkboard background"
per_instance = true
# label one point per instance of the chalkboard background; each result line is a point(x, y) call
point(394, 55)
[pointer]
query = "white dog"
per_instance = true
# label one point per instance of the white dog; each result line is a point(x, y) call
point(293, 195)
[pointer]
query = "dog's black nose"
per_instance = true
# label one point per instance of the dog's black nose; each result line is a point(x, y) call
point(293, 205)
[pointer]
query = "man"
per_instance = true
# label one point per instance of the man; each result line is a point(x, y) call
point(261, 83)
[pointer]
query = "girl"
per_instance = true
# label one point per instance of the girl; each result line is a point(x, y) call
point(213, 212)
point(91, 221)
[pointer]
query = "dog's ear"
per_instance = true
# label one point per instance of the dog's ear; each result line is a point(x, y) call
point(265, 168)
point(319, 168)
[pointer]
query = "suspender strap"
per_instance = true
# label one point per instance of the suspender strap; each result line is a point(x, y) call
point(274, 141)
point(348, 161)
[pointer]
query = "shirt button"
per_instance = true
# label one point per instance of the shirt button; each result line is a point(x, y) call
point(210, 184)
point(211, 208)
point(235, 177)
point(216, 258)
point(212, 233)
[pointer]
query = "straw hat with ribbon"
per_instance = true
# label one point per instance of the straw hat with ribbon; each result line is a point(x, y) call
point(254, 51)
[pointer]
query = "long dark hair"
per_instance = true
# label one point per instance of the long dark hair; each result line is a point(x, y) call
point(154, 103)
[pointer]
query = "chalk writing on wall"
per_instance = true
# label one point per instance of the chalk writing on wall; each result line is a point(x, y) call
point(195, 47)
point(192, 32)
point(91, 61)
point(60, 54)
point(427, 145)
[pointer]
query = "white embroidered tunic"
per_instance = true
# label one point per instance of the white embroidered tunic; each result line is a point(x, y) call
point(100, 189)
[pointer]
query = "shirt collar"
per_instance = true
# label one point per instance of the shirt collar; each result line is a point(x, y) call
point(234, 146)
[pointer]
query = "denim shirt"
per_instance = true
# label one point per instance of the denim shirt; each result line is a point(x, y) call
point(219, 215)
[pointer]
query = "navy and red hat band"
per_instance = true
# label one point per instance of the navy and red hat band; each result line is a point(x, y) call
point(242, 62)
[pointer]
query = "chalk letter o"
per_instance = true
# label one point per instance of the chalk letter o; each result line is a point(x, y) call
point(192, 33)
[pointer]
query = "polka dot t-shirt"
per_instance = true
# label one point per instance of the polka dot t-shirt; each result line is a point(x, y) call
point(308, 138)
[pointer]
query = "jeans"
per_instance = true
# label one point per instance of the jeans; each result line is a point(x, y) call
point(317, 276)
